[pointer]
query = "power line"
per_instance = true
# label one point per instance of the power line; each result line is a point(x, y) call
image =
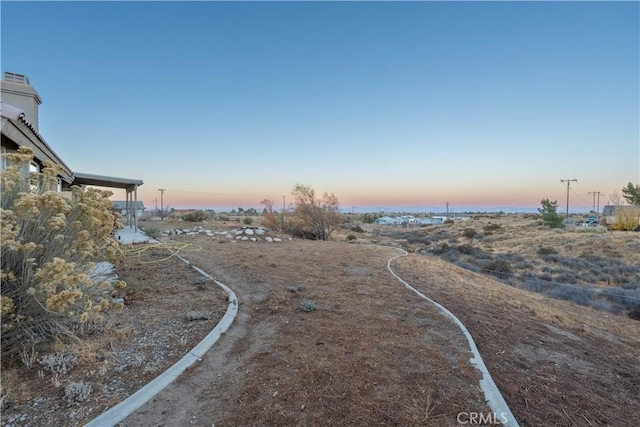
point(596, 193)
point(580, 194)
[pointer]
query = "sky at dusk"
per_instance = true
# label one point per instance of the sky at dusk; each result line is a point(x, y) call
point(394, 106)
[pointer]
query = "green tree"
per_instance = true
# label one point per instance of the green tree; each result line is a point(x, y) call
point(631, 194)
point(550, 216)
point(369, 218)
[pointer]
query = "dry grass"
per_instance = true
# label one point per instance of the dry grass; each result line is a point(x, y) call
point(372, 353)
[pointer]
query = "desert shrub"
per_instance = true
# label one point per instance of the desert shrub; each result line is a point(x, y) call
point(59, 363)
point(489, 228)
point(545, 250)
point(152, 232)
point(77, 392)
point(448, 221)
point(48, 244)
point(308, 305)
point(223, 218)
point(574, 294)
point(627, 218)
point(575, 264)
point(451, 256)
point(196, 216)
point(357, 229)
point(413, 238)
point(634, 314)
point(596, 229)
point(441, 249)
point(469, 233)
point(522, 264)
point(351, 237)
point(466, 249)
point(566, 277)
point(500, 267)
point(247, 220)
point(552, 258)
point(198, 315)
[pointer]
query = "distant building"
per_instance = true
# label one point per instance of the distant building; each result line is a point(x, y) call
point(430, 221)
point(387, 220)
point(19, 103)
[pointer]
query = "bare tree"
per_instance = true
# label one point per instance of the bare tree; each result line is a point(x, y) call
point(270, 217)
point(616, 199)
point(315, 217)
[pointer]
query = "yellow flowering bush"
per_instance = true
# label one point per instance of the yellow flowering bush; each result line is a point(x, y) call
point(48, 246)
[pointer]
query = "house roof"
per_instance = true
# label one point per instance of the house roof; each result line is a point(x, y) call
point(9, 111)
point(16, 128)
point(610, 210)
point(105, 181)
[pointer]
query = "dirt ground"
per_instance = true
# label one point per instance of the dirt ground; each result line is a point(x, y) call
point(371, 353)
point(168, 310)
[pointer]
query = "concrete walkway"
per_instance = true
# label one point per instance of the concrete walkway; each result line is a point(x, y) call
point(129, 235)
point(119, 412)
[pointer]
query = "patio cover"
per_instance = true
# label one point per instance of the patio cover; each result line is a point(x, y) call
point(131, 185)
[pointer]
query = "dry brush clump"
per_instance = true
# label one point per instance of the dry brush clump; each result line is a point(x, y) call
point(313, 217)
point(627, 218)
point(48, 245)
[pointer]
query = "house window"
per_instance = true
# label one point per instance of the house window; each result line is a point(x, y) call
point(34, 177)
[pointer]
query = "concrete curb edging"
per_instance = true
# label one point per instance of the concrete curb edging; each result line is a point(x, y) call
point(492, 395)
point(117, 413)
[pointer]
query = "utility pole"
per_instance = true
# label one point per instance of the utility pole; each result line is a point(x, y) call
point(161, 190)
point(156, 200)
point(447, 210)
point(596, 193)
point(568, 181)
point(283, 209)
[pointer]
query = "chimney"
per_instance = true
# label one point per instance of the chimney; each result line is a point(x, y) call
point(17, 92)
